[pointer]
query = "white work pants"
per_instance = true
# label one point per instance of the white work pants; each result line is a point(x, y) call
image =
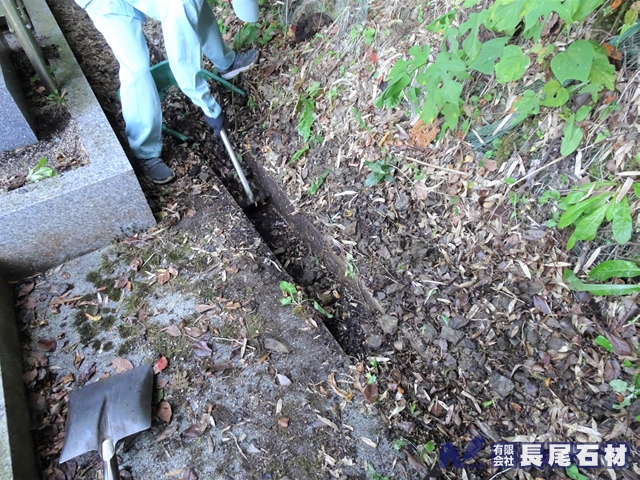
point(189, 29)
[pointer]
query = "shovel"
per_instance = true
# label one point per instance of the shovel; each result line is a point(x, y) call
point(236, 165)
point(106, 411)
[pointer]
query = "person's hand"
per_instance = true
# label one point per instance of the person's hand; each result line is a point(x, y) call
point(215, 123)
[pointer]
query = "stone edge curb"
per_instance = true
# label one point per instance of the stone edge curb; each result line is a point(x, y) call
point(17, 454)
point(81, 210)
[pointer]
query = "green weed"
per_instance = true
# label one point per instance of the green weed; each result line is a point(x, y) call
point(40, 171)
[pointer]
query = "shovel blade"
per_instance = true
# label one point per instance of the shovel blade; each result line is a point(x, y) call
point(114, 408)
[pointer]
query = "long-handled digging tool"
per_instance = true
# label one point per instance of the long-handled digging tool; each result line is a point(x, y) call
point(104, 412)
point(164, 80)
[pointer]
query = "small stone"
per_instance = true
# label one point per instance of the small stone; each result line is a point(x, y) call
point(275, 345)
point(501, 384)
point(375, 341)
point(458, 321)
point(402, 202)
point(388, 324)
point(429, 332)
point(451, 335)
point(283, 380)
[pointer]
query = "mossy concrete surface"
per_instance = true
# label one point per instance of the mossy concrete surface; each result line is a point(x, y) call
point(255, 390)
point(17, 460)
point(58, 218)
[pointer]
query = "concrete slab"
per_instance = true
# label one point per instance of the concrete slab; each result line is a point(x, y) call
point(274, 396)
point(62, 217)
point(17, 460)
point(15, 127)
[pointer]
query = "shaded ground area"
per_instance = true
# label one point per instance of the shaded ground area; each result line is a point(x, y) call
point(478, 331)
point(252, 389)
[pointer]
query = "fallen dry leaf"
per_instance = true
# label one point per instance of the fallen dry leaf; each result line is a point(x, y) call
point(283, 422)
point(30, 376)
point(93, 318)
point(415, 463)
point(204, 308)
point(490, 165)
point(195, 331)
point(173, 271)
point(220, 367)
point(160, 365)
point(172, 330)
point(121, 364)
point(421, 190)
point(162, 276)
point(47, 344)
point(189, 475)
point(86, 374)
point(167, 433)
point(370, 393)
point(78, 358)
point(26, 289)
point(194, 431)
point(135, 264)
point(164, 411)
point(541, 304)
point(201, 349)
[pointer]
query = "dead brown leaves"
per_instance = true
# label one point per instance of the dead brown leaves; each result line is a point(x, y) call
point(121, 365)
point(164, 411)
point(422, 135)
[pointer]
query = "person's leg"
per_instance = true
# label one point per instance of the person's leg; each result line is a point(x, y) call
point(179, 20)
point(138, 93)
point(210, 38)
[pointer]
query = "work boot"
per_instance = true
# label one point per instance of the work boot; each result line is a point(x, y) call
point(244, 61)
point(155, 170)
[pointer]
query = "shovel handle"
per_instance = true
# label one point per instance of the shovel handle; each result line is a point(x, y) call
point(110, 461)
point(236, 164)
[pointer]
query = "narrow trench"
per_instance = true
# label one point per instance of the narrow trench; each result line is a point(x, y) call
point(308, 272)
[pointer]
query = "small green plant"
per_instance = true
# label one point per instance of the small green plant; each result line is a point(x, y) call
point(299, 153)
point(350, 269)
point(629, 391)
point(373, 475)
point(369, 35)
point(293, 296)
point(399, 443)
point(380, 171)
point(306, 104)
point(57, 98)
point(604, 342)
point(40, 171)
point(574, 474)
point(434, 87)
point(586, 207)
point(247, 35)
point(316, 184)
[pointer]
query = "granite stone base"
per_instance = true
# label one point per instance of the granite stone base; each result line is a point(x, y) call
point(17, 455)
point(62, 217)
point(15, 128)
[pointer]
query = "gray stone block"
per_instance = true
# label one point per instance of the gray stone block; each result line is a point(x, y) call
point(17, 455)
point(49, 222)
point(15, 128)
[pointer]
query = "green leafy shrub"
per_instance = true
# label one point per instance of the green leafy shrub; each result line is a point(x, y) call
point(435, 87)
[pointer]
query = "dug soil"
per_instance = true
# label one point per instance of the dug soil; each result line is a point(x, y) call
point(444, 281)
